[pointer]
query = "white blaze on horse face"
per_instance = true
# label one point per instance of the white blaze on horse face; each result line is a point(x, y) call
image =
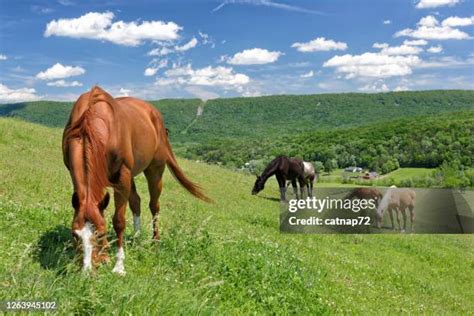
point(136, 223)
point(85, 233)
point(119, 267)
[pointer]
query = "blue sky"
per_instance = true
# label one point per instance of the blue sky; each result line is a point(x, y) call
point(55, 50)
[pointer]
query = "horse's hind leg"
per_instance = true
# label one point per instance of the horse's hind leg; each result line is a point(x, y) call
point(155, 185)
point(121, 196)
point(295, 188)
point(404, 214)
point(134, 201)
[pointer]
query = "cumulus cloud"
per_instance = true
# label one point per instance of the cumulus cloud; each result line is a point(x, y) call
point(377, 86)
point(427, 4)
point(224, 77)
point(254, 56)
point(429, 28)
point(100, 26)
point(17, 95)
point(319, 44)
point(64, 84)
point(403, 49)
point(3, 57)
point(373, 65)
point(454, 21)
point(386, 22)
point(58, 71)
point(415, 42)
point(435, 49)
point(308, 74)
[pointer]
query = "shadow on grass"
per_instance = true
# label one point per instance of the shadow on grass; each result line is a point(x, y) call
point(55, 249)
point(269, 198)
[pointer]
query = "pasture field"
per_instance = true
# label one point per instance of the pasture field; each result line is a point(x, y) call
point(223, 258)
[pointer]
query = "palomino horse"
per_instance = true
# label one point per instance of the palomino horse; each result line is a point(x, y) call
point(397, 200)
point(107, 142)
point(283, 168)
point(309, 177)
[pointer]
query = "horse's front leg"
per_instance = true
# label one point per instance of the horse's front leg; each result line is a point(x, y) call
point(302, 186)
point(121, 196)
point(390, 212)
point(282, 184)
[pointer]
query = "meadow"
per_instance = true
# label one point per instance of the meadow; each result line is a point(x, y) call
point(223, 258)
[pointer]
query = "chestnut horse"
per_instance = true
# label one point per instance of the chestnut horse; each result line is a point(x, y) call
point(106, 143)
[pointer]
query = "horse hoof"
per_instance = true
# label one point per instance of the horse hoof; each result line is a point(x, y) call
point(119, 270)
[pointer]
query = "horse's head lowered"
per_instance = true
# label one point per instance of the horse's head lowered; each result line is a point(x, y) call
point(89, 227)
point(258, 186)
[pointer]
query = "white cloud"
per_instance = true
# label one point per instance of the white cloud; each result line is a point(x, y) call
point(266, 3)
point(208, 76)
point(380, 45)
point(99, 26)
point(166, 49)
point(206, 39)
point(426, 4)
point(308, 74)
point(63, 83)
point(124, 92)
point(401, 88)
point(17, 95)
point(435, 49)
point(429, 28)
point(420, 42)
point(3, 57)
point(373, 65)
point(319, 44)
point(160, 51)
point(397, 50)
point(387, 22)
point(254, 56)
point(191, 44)
point(155, 65)
point(447, 62)
point(377, 86)
point(58, 71)
point(454, 21)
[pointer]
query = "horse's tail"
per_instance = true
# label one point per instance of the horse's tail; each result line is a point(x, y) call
point(178, 173)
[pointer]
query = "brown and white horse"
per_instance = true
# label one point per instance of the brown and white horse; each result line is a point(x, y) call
point(397, 200)
point(106, 143)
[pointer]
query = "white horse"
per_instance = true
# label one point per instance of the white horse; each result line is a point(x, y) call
point(397, 200)
point(309, 177)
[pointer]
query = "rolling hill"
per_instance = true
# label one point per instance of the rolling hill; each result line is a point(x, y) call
point(222, 258)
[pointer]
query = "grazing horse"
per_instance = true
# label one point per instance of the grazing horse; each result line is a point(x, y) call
point(365, 194)
point(106, 143)
point(283, 168)
point(397, 200)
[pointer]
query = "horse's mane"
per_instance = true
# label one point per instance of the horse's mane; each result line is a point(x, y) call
point(271, 167)
point(95, 161)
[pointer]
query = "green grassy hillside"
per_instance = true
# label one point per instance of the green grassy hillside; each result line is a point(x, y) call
point(271, 116)
point(421, 141)
point(222, 258)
